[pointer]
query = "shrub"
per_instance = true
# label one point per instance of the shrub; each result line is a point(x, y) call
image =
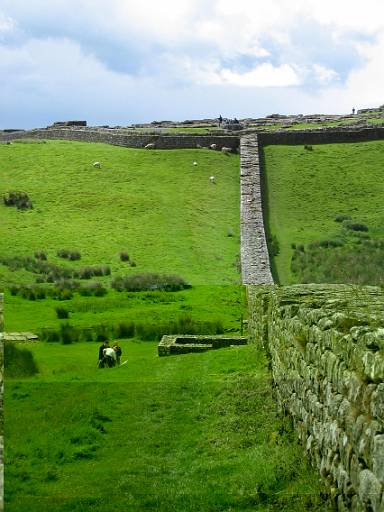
point(74, 255)
point(64, 294)
point(124, 256)
point(149, 281)
point(354, 226)
point(19, 199)
point(341, 218)
point(18, 362)
point(68, 334)
point(69, 255)
point(62, 312)
point(40, 255)
point(125, 330)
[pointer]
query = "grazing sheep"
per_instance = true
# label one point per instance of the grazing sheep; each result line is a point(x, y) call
point(97, 165)
point(151, 145)
point(213, 146)
point(212, 179)
point(226, 150)
point(195, 163)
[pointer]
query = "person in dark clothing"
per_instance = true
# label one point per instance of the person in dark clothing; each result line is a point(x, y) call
point(101, 362)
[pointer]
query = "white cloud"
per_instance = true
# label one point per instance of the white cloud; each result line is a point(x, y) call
point(264, 75)
point(7, 24)
point(323, 74)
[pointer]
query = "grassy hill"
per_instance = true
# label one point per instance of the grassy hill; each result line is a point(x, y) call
point(314, 201)
point(157, 207)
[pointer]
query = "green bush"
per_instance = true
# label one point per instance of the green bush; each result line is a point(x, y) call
point(40, 255)
point(68, 254)
point(124, 256)
point(18, 362)
point(62, 312)
point(19, 199)
point(68, 334)
point(355, 226)
point(341, 217)
point(125, 330)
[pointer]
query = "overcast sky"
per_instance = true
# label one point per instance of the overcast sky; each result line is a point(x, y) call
point(119, 62)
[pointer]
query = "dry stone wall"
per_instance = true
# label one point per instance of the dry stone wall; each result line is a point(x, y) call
point(119, 138)
point(321, 136)
point(255, 266)
point(326, 346)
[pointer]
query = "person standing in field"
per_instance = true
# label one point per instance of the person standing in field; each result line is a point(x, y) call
point(118, 352)
point(101, 363)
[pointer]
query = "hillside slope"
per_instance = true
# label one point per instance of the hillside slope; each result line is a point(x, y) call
point(156, 205)
point(308, 190)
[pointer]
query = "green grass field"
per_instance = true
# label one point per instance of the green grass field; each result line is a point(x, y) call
point(188, 433)
point(306, 190)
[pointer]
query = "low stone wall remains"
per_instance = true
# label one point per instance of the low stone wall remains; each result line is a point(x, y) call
point(326, 346)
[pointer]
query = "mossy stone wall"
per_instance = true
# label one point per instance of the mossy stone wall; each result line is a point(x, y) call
point(326, 346)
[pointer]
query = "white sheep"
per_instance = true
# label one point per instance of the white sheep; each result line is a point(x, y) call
point(226, 150)
point(213, 146)
point(194, 163)
point(151, 145)
point(212, 179)
point(97, 165)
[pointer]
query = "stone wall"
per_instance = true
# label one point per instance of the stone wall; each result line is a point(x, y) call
point(326, 346)
point(119, 138)
point(255, 268)
point(321, 136)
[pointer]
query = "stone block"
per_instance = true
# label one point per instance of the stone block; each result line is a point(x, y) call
point(355, 468)
point(370, 490)
point(377, 403)
point(378, 457)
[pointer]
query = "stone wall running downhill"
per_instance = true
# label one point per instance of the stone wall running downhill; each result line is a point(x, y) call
point(255, 267)
point(326, 346)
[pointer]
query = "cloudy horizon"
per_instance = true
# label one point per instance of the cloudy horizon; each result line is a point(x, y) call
point(129, 62)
